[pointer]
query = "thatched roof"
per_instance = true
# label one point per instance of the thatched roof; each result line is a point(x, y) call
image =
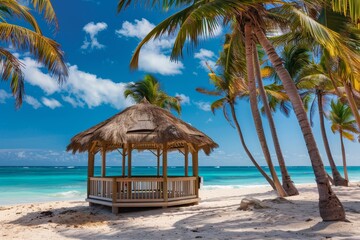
point(146, 127)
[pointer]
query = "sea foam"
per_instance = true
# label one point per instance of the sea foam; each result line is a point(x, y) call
point(68, 194)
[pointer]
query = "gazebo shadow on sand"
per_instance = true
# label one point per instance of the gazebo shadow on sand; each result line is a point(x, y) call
point(142, 127)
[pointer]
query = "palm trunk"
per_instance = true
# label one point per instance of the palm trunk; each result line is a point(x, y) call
point(287, 183)
point(254, 107)
point(330, 206)
point(242, 140)
point(338, 179)
point(352, 103)
point(343, 156)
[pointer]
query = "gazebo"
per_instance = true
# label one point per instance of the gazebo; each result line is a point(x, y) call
point(142, 127)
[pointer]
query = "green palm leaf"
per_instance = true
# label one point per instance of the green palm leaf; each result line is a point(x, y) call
point(149, 88)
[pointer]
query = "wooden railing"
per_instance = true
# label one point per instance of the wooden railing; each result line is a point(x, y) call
point(101, 188)
point(141, 189)
point(181, 187)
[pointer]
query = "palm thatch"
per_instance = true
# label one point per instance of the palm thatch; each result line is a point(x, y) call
point(145, 126)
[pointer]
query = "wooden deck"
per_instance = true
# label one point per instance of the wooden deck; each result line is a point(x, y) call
point(120, 192)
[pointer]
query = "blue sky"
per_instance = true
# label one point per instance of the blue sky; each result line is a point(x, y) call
point(98, 45)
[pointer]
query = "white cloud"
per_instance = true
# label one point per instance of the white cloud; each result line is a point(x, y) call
point(139, 29)
point(32, 101)
point(51, 102)
point(209, 120)
point(154, 56)
point(93, 91)
point(92, 29)
point(4, 96)
point(75, 103)
point(184, 100)
point(205, 106)
point(155, 62)
point(204, 53)
point(34, 75)
point(81, 88)
point(206, 57)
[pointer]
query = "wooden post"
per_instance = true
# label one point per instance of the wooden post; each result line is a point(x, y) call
point(195, 167)
point(158, 161)
point(123, 160)
point(103, 168)
point(129, 159)
point(91, 157)
point(103, 162)
point(115, 210)
point(186, 148)
point(165, 180)
point(129, 191)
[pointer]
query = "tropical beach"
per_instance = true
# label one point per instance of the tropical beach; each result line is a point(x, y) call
point(216, 217)
point(214, 119)
point(56, 208)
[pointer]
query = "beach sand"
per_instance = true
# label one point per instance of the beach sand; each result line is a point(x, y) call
point(216, 217)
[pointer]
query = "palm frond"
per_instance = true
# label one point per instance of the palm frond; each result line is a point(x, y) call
point(336, 45)
point(342, 120)
point(149, 88)
point(164, 4)
point(217, 104)
point(349, 8)
point(208, 92)
point(46, 7)
point(11, 69)
point(348, 136)
point(18, 10)
point(44, 49)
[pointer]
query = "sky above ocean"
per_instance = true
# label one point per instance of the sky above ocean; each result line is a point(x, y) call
point(98, 44)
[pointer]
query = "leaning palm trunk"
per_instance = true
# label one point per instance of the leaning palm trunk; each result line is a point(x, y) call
point(352, 103)
point(254, 107)
point(287, 183)
point(343, 156)
point(338, 179)
point(242, 140)
point(330, 206)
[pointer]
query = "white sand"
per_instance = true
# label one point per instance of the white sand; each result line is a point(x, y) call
point(216, 217)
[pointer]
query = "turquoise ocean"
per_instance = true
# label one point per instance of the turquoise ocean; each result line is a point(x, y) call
point(40, 184)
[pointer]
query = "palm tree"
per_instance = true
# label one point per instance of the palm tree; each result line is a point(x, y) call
point(198, 19)
point(345, 71)
point(329, 205)
point(343, 122)
point(287, 183)
point(339, 21)
point(316, 86)
point(229, 86)
point(43, 49)
point(249, 50)
point(149, 88)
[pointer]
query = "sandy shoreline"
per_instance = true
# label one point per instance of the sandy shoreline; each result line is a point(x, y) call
point(216, 217)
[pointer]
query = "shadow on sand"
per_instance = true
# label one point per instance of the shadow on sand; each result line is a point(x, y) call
point(210, 221)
